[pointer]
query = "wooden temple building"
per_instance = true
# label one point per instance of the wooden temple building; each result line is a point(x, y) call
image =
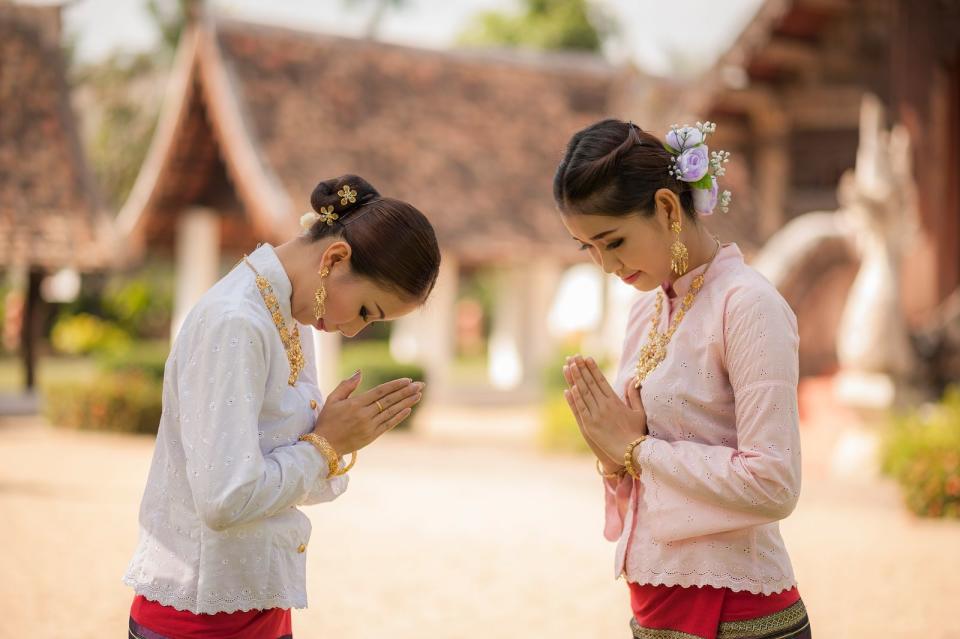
point(789, 95)
point(256, 115)
point(50, 217)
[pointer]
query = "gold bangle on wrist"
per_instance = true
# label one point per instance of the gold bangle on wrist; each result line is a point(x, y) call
point(346, 469)
point(618, 473)
point(328, 452)
point(628, 457)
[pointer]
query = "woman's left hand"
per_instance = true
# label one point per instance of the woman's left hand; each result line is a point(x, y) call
point(606, 419)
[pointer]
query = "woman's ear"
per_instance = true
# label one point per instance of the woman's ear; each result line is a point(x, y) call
point(668, 207)
point(337, 253)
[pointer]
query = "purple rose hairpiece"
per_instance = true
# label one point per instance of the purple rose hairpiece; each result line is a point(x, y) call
point(692, 162)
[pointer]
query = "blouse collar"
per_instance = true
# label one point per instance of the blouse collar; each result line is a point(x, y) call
point(728, 255)
point(265, 260)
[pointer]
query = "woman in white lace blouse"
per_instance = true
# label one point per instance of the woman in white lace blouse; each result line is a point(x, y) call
point(245, 436)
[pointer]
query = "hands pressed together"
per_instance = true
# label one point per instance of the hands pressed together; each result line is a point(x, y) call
point(349, 423)
point(607, 423)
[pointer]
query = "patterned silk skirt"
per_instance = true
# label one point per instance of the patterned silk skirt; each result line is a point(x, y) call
point(674, 612)
point(152, 620)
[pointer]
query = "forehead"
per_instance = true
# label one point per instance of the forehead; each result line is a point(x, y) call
point(584, 227)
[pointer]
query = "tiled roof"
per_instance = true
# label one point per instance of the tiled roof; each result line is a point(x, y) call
point(472, 139)
point(48, 211)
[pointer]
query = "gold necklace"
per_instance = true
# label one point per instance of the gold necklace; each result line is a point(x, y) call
point(655, 350)
point(290, 338)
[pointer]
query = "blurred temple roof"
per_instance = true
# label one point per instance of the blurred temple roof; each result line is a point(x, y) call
point(257, 115)
point(787, 96)
point(49, 213)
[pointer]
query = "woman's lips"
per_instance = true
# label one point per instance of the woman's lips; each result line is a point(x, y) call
point(320, 325)
point(630, 279)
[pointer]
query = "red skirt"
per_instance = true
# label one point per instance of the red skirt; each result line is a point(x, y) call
point(716, 613)
point(152, 620)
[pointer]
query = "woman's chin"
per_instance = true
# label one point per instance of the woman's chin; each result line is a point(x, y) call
point(644, 283)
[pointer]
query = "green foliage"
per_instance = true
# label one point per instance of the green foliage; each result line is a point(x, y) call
point(380, 9)
point(85, 333)
point(141, 305)
point(146, 358)
point(921, 450)
point(126, 402)
point(170, 17)
point(543, 24)
point(111, 313)
point(119, 124)
point(373, 359)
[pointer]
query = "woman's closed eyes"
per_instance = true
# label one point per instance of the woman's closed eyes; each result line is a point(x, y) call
point(609, 247)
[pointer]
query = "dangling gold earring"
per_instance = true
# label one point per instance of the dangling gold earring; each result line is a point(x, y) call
point(320, 297)
point(679, 256)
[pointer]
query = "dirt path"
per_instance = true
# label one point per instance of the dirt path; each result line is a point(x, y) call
point(450, 540)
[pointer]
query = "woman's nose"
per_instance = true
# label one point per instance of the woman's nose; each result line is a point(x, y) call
point(609, 264)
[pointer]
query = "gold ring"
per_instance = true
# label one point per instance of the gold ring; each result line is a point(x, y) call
point(379, 406)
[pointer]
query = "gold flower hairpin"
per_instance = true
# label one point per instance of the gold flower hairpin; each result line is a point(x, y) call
point(327, 215)
point(307, 220)
point(347, 195)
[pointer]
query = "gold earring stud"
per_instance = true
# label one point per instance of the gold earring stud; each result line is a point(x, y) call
point(320, 297)
point(679, 256)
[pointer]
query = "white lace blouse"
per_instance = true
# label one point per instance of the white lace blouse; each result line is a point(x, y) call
point(219, 526)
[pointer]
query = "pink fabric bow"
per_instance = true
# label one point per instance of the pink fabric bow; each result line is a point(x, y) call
point(617, 499)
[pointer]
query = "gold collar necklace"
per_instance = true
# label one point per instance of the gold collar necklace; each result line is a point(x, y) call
point(655, 350)
point(290, 338)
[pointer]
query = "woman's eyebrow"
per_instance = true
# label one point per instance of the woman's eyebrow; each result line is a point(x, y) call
point(598, 235)
point(605, 233)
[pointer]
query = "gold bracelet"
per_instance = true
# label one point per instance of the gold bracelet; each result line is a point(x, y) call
point(628, 457)
point(333, 459)
point(344, 471)
point(618, 473)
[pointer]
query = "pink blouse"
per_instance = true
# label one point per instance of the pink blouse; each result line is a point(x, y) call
point(722, 464)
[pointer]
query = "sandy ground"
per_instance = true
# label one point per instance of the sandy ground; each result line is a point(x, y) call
point(450, 538)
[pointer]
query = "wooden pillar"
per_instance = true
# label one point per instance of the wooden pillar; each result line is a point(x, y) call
point(504, 362)
point(32, 328)
point(539, 289)
point(197, 261)
point(520, 342)
point(772, 165)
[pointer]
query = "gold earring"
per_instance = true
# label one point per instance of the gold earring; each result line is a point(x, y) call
point(679, 256)
point(320, 297)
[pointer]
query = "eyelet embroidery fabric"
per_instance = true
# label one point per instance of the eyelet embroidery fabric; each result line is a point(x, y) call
point(220, 530)
point(722, 465)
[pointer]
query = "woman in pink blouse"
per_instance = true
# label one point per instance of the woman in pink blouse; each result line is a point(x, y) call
point(697, 438)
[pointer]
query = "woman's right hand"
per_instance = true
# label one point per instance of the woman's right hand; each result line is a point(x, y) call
point(609, 464)
point(350, 423)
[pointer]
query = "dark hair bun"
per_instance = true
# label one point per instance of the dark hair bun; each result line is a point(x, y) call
point(335, 193)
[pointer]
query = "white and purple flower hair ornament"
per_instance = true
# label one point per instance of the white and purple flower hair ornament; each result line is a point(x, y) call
point(692, 162)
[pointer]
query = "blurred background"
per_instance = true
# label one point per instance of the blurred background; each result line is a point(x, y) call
point(146, 145)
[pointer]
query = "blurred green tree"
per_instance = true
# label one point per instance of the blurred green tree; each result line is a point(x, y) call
point(169, 18)
point(119, 100)
point(379, 12)
point(542, 24)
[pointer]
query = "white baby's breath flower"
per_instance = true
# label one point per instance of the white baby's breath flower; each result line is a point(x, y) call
point(307, 220)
